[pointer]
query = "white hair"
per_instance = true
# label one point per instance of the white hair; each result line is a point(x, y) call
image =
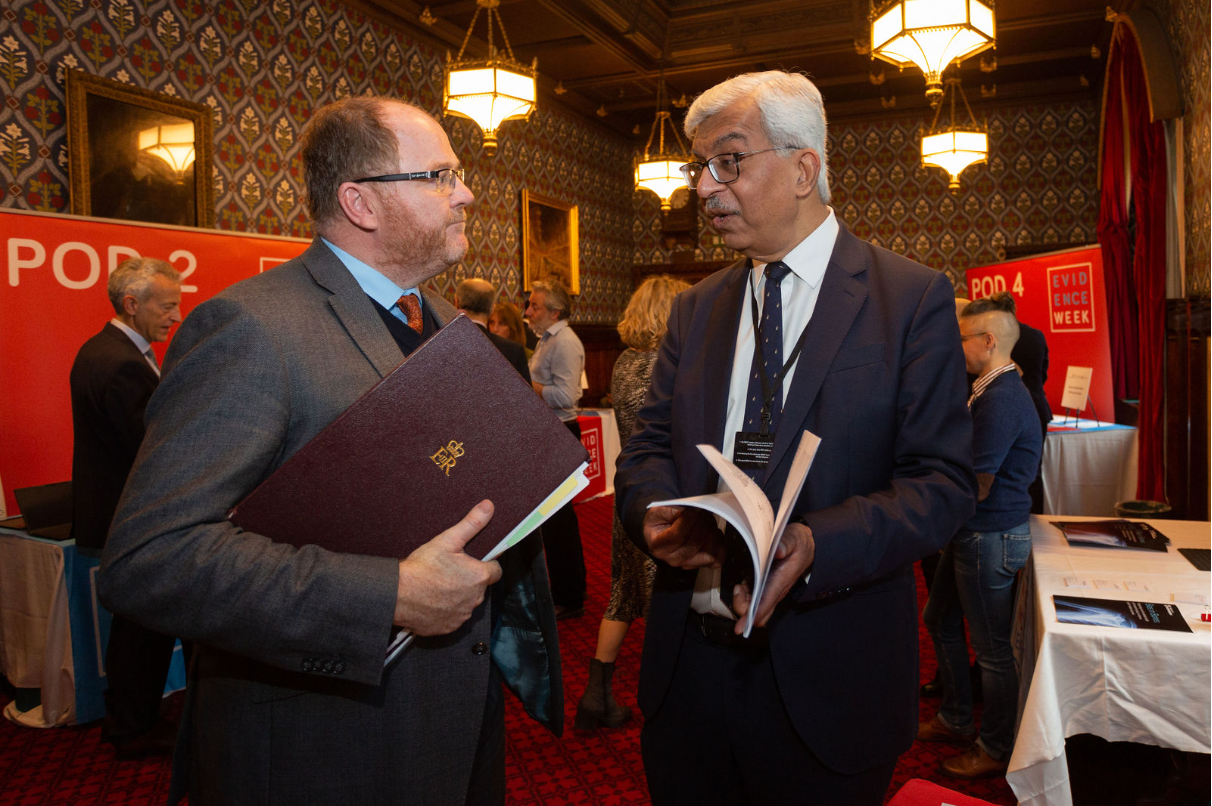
point(791, 109)
point(134, 277)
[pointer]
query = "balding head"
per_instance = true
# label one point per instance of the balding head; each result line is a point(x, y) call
point(476, 298)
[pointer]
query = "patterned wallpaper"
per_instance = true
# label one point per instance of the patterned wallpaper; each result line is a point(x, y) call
point(1189, 25)
point(262, 66)
point(1039, 187)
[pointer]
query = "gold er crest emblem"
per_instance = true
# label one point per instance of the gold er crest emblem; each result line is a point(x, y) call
point(446, 456)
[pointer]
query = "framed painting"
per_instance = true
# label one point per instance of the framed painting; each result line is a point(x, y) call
point(138, 155)
point(549, 242)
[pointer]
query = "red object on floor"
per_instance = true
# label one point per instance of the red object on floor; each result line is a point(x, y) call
point(920, 792)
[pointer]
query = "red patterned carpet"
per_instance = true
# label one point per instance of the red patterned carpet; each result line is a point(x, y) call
point(72, 766)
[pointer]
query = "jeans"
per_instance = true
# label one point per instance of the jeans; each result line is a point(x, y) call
point(975, 579)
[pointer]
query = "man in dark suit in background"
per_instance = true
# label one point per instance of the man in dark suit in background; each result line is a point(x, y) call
point(816, 706)
point(289, 700)
point(111, 380)
point(1031, 355)
point(477, 298)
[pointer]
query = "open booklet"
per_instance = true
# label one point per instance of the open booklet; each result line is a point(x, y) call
point(746, 507)
point(567, 491)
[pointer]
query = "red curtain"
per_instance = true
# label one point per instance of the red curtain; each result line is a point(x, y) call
point(1113, 238)
point(1136, 293)
point(1149, 185)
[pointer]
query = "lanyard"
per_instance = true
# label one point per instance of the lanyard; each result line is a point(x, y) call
point(770, 389)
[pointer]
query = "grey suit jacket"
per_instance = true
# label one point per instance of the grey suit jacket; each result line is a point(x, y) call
point(288, 700)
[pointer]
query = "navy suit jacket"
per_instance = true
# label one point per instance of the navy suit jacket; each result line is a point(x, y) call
point(1031, 354)
point(514, 353)
point(881, 382)
point(111, 383)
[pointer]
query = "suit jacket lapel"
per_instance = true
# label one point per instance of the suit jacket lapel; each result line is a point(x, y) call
point(838, 303)
point(443, 311)
point(353, 308)
point(720, 352)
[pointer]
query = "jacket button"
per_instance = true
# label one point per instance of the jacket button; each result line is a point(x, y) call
point(308, 665)
point(338, 668)
point(327, 668)
point(479, 649)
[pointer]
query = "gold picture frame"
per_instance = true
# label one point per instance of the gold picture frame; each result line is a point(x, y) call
point(122, 142)
point(549, 242)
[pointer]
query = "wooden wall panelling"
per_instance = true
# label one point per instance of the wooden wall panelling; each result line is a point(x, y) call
point(1186, 407)
point(602, 348)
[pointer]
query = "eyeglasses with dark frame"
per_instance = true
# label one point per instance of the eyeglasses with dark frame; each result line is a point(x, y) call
point(443, 178)
point(725, 168)
point(974, 335)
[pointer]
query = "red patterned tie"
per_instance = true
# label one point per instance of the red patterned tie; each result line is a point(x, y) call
point(410, 306)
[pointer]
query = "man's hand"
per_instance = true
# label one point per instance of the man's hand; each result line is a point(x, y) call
point(440, 585)
point(684, 538)
point(792, 559)
point(538, 388)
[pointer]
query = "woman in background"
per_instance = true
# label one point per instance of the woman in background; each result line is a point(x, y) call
point(631, 571)
point(506, 322)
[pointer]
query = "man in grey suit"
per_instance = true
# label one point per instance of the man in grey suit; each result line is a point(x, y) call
point(289, 700)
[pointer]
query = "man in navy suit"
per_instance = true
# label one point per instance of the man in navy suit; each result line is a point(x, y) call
point(816, 706)
point(476, 298)
point(112, 378)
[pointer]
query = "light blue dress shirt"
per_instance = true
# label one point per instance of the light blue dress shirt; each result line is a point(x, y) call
point(376, 286)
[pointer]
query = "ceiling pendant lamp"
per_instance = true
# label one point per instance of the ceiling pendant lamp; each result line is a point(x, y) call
point(492, 90)
point(661, 172)
point(931, 34)
point(958, 146)
point(172, 142)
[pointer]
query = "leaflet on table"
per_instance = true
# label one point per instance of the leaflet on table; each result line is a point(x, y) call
point(1117, 613)
point(562, 495)
point(1117, 533)
point(746, 507)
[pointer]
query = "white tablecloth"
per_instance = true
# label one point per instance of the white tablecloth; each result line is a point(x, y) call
point(1089, 470)
point(35, 634)
point(1147, 686)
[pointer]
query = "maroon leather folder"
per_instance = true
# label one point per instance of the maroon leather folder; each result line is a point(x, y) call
point(450, 426)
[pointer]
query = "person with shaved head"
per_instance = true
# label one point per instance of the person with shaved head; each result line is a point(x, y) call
point(976, 574)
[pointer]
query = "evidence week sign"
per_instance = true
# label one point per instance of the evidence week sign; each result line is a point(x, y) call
point(1062, 294)
point(53, 299)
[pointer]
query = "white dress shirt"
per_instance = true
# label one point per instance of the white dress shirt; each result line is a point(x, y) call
point(800, 289)
point(142, 344)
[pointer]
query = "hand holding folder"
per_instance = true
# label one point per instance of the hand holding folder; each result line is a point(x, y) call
point(452, 425)
point(453, 583)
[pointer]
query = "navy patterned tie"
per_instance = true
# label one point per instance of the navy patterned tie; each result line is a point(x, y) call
point(737, 565)
point(771, 354)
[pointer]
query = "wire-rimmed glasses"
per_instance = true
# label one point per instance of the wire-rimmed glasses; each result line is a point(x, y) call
point(725, 168)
